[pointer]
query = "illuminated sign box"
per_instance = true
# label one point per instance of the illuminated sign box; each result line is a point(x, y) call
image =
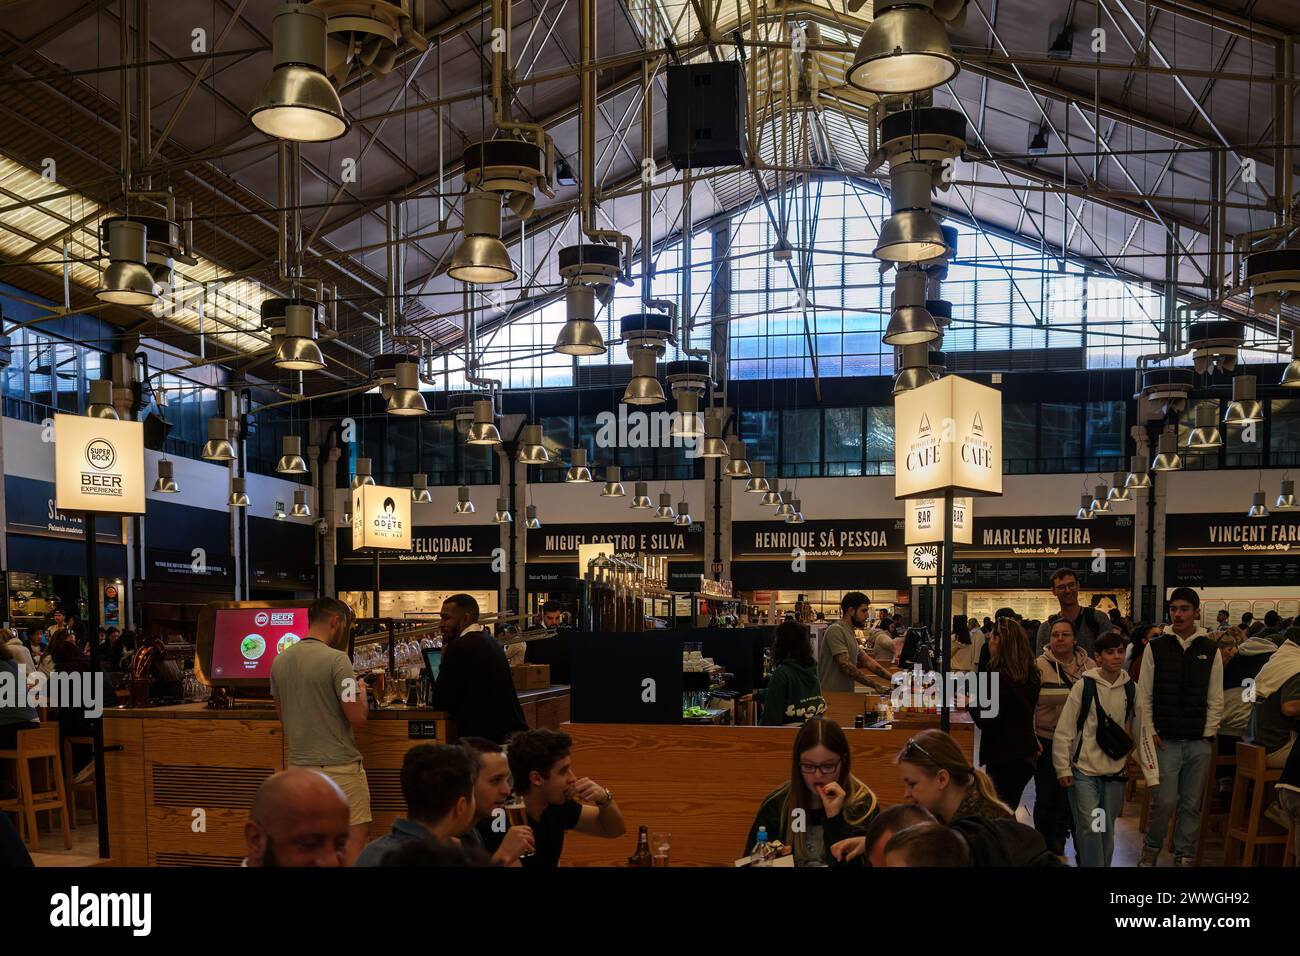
point(925, 520)
point(98, 465)
point(948, 437)
point(381, 518)
point(922, 562)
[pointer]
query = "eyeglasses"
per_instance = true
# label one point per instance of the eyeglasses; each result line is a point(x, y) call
point(1070, 584)
point(812, 769)
point(913, 745)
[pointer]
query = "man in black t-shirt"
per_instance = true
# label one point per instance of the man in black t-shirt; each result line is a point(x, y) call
point(474, 683)
point(555, 797)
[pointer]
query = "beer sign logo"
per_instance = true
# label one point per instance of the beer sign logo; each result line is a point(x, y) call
point(98, 466)
point(100, 457)
point(261, 618)
point(100, 454)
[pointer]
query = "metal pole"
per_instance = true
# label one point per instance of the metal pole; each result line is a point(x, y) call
point(92, 635)
point(945, 613)
point(375, 582)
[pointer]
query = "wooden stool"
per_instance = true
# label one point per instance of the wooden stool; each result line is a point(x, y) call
point(1251, 790)
point(69, 773)
point(1217, 760)
point(41, 743)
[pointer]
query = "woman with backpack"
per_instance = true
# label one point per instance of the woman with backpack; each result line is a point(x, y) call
point(1060, 667)
point(1090, 749)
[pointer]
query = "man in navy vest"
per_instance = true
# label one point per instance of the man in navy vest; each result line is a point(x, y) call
point(1180, 696)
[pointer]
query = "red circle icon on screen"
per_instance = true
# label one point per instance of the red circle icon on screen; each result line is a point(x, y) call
point(261, 618)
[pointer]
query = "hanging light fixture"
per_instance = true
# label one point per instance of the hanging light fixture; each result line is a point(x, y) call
point(463, 505)
point(1257, 507)
point(300, 506)
point(101, 400)
point(786, 508)
point(420, 490)
point(665, 509)
point(238, 497)
point(687, 422)
point(1100, 499)
point(280, 513)
point(1291, 374)
point(797, 517)
point(613, 483)
point(1286, 499)
point(531, 521)
point(909, 322)
point(757, 484)
point(502, 514)
point(1244, 407)
point(1137, 477)
point(166, 483)
point(405, 399)
point(578, 472)
point(916, 367)
point(1206, 433)
point(291, 461)
point(1085, 509)
point(641, 500)
point(1168, 459)
point(580, 335)
point(737, 463)
point(481, 258)
point(1118, 488)
point(683, 519)
point(299, 102)
point(484, 430)
point(772, 497)
point(911, 233)
point(531, 449)
point(714, 446)
point(644, 388)
point(345, 518)
point(218, 446)
point(297, 350)
point(905, 50)
point(363, 475)
point(127, 280)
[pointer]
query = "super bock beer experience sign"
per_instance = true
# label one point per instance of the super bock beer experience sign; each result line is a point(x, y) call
point(948, 437)
point(381, 518)
point(98, 465)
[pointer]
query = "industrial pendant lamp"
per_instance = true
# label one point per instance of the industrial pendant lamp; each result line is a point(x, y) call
point(218, 446)
point(905, 50)
point(613, 483)
point(578, 472)
point(502, 514)
point(363, 475)
point(1244, 407)
point(909, 322)
point(915, 369)
point(1206, 433)
point(714, 446)
point(1257, 507)
point(641, 500)
point(665, 509)
point(580, 335)
point(797, 517)
point(291, 461)
point(463, 505)
point(531, 521)
point(687, 422)
point(1286, 499)
point(481, 258)
point(771, 497)
point(1118, 488)
point(1291, 374)
point(683, 519)
point(166, 483)
point(297, 350)
point(299, 102)
point(420, 490)
point(1137, 477)
point(531, 449)
point(484, 430)
point(757, 484)
point(238, 497)
point(300, 506)
point(405, 398)
point(911, 233)
point(737, 463)
point(101, 400)
point(127, 280)
point(786, 508)
point(1100, 500)
point(644, 388)
point(1085, 509)
point(1168, 459)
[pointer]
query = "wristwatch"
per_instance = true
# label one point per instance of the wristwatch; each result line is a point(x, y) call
point(609, 798)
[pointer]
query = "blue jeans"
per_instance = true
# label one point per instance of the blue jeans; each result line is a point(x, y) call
point(1094, 834)
point(1183, 765)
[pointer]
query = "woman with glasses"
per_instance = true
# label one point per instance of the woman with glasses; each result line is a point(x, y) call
point(1060, 667)
point(828, 803)
point(1004, 711)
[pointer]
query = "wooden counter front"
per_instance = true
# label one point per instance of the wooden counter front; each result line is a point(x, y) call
point(703, 784)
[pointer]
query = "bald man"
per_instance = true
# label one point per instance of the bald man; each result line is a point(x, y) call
point(300, 818)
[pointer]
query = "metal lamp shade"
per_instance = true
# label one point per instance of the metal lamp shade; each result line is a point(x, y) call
point(904, 50)
point(481, 258)
point(218, 446)
point(912, 235)
point(757, 484)
point(771, 498)
point(1168, 459)
point(665, 509)
point(737, 464)
point(463, 505)
point(291, 461)
point(238, 497)
point(101, 400)
point(578, 472)
point(580, 335)
point(797, 517)
point(300, 506)
point(1286, 500)
point(714, 446)
point(299, 102)
point(1100, 499)
point(420, 490)
point(1244, 407)
point(613, 485)
point(683, 519)
point(531, 521)
point(484, 430)
point(1206, 433)
point(786, 508)
point(1137, 477)
point(641, 500)
point(502, 514)
point(687, 421)
point(363, 474)
point(1118, 488)
point(297, 350)
point(1257, 507)
point(166, 483)
point(910, 325)
point(405, 398)
point(127, 280)
point(1085, 509)
point(644, 388)
point(531, 449)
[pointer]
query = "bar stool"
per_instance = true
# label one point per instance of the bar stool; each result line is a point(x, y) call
point(70, 784)
point(1217, 760)
point(1251, 789)
point(41, 743)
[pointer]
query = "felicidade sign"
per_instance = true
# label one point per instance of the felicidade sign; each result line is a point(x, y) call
point(381, 518)
point(948, 436)
point(98, 465)
point(925, 520)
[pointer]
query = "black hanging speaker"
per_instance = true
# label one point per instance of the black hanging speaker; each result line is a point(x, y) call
point(706, 114)
point(155, 431)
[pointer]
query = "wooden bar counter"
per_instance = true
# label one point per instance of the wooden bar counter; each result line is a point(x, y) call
point(181, 778)
point(703, 784)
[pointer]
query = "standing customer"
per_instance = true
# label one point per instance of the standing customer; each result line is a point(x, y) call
point(474, 683)
point(1060, 667)
point(840, 662)
point(1180, 696)
point(1008, 747)
point(1089, 623)
point(1277, 701)
point(793, 693)
point(320, 701)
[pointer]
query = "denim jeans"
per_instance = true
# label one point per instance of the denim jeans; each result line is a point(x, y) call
point(1093, 846)
point(1183, 765)
point(1290, 800)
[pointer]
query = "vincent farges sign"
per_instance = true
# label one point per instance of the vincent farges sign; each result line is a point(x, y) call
point(99, 465)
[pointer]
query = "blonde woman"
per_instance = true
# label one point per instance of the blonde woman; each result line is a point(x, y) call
point(1009, 747)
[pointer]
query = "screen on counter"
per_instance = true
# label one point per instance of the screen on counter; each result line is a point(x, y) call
point(245, 641)
point(433, 661)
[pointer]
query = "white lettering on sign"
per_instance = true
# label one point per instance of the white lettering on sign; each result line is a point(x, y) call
point(1036, 537)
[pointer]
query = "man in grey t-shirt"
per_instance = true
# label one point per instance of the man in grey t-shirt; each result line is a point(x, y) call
point(319, 701)
point(840, 662)
point(1089, 623)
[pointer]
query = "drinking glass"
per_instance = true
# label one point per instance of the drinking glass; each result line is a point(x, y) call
point(659, 846)
point(517, 815)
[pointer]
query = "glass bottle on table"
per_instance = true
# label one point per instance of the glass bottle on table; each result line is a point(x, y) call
point(642, 855)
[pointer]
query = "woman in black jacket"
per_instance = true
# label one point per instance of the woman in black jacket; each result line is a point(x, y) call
point(1008, 745)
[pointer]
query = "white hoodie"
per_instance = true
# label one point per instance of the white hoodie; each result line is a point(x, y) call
point(1092, 760)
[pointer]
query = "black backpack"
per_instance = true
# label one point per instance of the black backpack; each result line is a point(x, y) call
point(1115, 742)
point(1004, 843)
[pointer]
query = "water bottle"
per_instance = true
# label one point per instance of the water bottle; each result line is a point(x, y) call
point(761, 854)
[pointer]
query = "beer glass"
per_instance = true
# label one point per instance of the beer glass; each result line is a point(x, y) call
point(659, 846)
point(517, 816)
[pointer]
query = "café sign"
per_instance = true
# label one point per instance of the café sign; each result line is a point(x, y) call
point(948, 437)
point(381, 518)
point(925, 520)
point(98, 465)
